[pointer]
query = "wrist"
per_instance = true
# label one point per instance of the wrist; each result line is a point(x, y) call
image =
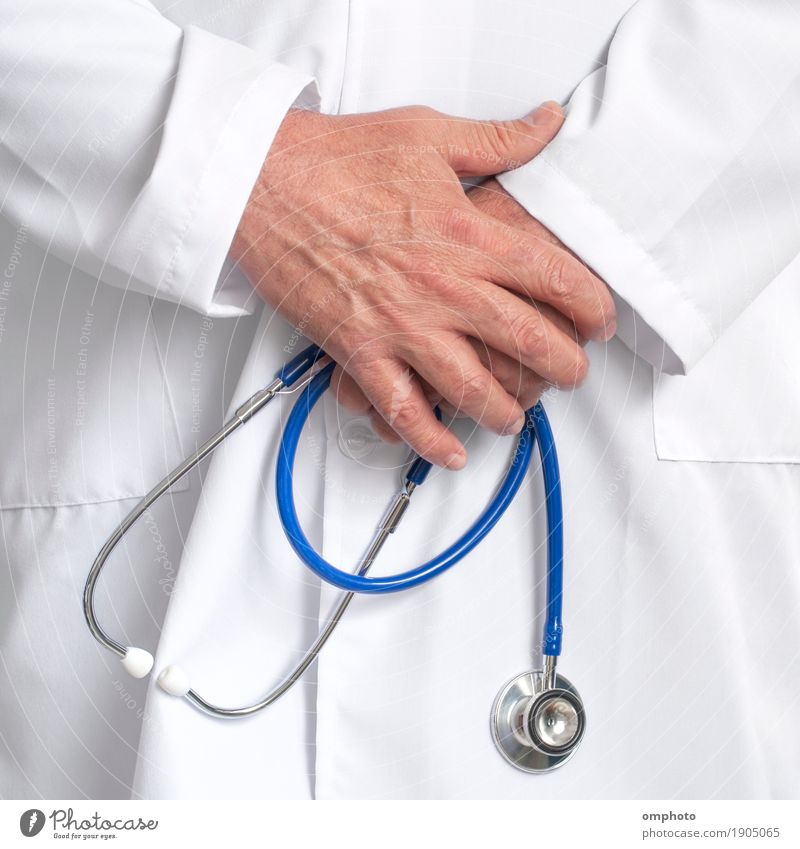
point(284, 159)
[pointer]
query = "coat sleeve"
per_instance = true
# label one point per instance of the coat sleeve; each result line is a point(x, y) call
point(676, 175)
point(129, 146)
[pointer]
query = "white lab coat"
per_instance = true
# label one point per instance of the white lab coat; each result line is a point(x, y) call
point(131, 137)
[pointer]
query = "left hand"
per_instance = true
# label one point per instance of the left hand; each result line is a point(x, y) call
point(520, 382)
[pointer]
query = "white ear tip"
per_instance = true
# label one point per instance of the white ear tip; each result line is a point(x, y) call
point(174, 680)
point(137, 662)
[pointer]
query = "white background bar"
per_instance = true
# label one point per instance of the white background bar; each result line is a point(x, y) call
point(403, 825)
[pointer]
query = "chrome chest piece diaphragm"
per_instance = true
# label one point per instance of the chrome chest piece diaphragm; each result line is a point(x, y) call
point(538, 724)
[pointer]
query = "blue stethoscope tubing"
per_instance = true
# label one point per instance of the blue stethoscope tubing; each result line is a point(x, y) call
point(537, 429)
point(537, 720)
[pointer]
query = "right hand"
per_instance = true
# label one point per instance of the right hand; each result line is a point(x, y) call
point(359, 232)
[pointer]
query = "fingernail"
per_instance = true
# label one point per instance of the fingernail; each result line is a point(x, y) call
point(456, 461)
point(607, 333)
point(542, 114)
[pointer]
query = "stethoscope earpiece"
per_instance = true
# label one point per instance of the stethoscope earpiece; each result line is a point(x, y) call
point(174, 681)
point(137, 662)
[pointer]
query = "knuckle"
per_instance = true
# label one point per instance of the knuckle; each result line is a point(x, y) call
point(430, 282)
point(555, 278)
point(418, 120)
point(475, 388)
point(434, 274)
point(530, 335)
point(421, 112)
point(405, 415)
point(497, 139)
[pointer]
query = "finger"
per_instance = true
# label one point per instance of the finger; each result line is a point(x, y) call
point(517, 328)
point(348, 393)
point(350, 396)
point(556, 318)
point(458, 374)
point(550, 274)
point(436, 400)
point(476, 148)
point(537, 269)
point(397, 396)
point(432, 395)
point(490, 197)
point(449, 411)
point(520, 382)
point(386, 433)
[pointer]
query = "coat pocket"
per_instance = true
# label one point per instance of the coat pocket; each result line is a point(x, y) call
point(85, 415)
point(741, 402)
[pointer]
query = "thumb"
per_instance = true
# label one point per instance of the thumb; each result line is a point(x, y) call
point(481, 148)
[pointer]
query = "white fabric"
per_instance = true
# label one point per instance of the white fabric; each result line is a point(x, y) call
point(677, 174)
point(130, 146)
point(131, 138)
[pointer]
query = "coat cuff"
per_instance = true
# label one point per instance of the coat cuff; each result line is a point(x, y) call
point(227, 106)
point(654, 317)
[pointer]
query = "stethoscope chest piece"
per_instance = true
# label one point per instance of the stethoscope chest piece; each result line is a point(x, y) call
point(536, 728)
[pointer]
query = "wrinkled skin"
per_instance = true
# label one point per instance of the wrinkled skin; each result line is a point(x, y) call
point(359, 232)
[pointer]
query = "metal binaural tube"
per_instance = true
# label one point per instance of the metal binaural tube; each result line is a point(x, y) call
point(242, 414)
point(388, 526)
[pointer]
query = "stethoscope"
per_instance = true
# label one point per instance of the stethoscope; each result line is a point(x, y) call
point(537, 720)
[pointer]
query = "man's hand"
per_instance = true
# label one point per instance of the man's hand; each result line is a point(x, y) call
point(525, 384)
point(522, 383)
point(359, 232)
